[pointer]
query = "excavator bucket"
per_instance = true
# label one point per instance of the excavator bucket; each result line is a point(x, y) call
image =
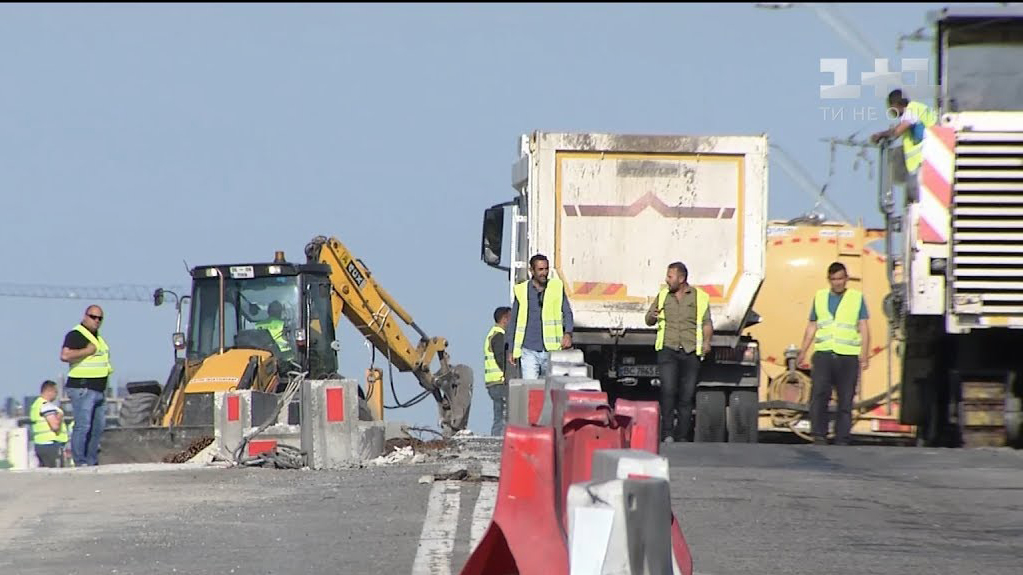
point(456, 387)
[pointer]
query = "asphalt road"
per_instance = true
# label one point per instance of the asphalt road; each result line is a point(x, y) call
point(782, 509)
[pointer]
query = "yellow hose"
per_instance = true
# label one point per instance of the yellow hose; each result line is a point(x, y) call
point(788, 417)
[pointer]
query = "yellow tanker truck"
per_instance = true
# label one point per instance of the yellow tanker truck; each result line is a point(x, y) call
point(798, 253)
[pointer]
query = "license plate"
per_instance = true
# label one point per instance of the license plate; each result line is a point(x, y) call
point(638, 371)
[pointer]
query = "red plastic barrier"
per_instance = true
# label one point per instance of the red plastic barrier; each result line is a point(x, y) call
point(645, 431)
point(525, 536)
point(679, 547)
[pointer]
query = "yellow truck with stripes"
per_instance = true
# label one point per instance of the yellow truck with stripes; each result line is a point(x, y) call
point(610, 212)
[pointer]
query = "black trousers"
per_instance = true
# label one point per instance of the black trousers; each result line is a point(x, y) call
point(839, 372)
point(679, 373)
point(50, 454)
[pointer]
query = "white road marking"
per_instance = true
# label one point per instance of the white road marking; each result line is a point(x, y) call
point(437, 540)
point(483, 512)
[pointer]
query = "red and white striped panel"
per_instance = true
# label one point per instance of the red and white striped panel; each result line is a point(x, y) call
point(935, 183)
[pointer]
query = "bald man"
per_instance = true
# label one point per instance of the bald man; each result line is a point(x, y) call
point(88, 356)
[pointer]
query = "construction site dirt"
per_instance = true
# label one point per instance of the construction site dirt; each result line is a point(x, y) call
point(744, 509)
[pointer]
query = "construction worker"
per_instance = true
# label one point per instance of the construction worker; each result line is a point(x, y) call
point(494, 368)
point(49, 432)
point(89, 358)
point(684, 329)
point(841, 339)
point(541, 320)
point(274, 323)
point(914, 119)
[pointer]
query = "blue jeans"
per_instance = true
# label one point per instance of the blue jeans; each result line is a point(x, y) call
point(499, 393)
point(535, 364)
point(90, 411)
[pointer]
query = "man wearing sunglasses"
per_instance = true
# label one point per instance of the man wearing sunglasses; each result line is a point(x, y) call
point(89, 357)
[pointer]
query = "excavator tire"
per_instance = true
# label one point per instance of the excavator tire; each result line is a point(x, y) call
point(137, 409)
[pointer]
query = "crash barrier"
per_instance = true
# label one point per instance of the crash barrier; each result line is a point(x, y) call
point(332, 434)
point(525, 401)
point(235, 414)
point(546, 519)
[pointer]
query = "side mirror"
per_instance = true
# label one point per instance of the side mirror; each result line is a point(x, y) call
point(158, 297)
point(179, 340)
point(493, 235)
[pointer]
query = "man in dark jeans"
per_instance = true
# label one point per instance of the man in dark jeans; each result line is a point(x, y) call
point(684, 328)
point(838, 330)
point(87, 354)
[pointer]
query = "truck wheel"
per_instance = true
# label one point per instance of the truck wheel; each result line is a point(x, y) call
point(710, 416)
point(743, 409)
point(136, 409)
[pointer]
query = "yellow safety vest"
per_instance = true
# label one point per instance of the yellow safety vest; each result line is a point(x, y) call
point(41, 432)
point(550, 314)
point(838, 334)
point(492, 372)
point(702, 303)
point(96, 365)
point(913, 151)
point(276, 329)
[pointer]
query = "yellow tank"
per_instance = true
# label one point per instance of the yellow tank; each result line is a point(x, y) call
point(798, 255)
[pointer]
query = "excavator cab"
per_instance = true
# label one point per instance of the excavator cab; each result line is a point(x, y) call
point(250, 326)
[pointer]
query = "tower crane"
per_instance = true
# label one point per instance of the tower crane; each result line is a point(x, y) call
point(115, 292)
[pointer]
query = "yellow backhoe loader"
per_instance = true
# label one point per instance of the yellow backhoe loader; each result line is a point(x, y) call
point(257, 326)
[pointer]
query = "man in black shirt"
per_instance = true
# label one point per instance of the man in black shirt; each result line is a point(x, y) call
point(89, 357)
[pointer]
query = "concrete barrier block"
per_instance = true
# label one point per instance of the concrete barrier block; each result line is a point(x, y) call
point(525, 400)
point(273, 436)
point(232, 417)
point(17, 448)
point(611, 464)
point(369, 439)
point(620, 526)
point(330, 418)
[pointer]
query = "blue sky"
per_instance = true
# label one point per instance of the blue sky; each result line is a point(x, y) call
point(136, 138)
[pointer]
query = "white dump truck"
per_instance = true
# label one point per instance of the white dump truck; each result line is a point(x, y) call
point(610, 212)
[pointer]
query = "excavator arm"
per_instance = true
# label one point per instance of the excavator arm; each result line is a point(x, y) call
point(357, 296)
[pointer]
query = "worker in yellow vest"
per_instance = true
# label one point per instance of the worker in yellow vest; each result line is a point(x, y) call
point(541, 320)
point(88, 355)
point(49, 432)
point(684, 328)
point(841, 343)
point(274, 324)
point(494, 368)
point(914, 119)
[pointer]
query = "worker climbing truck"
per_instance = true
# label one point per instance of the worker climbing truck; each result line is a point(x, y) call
point(959, 310)
point(611, 212)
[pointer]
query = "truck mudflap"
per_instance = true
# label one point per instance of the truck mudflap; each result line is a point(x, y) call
point(149, 444)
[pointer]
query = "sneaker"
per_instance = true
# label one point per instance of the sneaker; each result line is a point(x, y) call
point(820, 441)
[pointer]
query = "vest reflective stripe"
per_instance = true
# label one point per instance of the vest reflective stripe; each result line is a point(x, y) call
point(702, 303)
point(838, 334)
point(492, 372)
point(41, 432)
point(276, 329)
point(913, 151)
point(550, 315)
point(95, 365)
